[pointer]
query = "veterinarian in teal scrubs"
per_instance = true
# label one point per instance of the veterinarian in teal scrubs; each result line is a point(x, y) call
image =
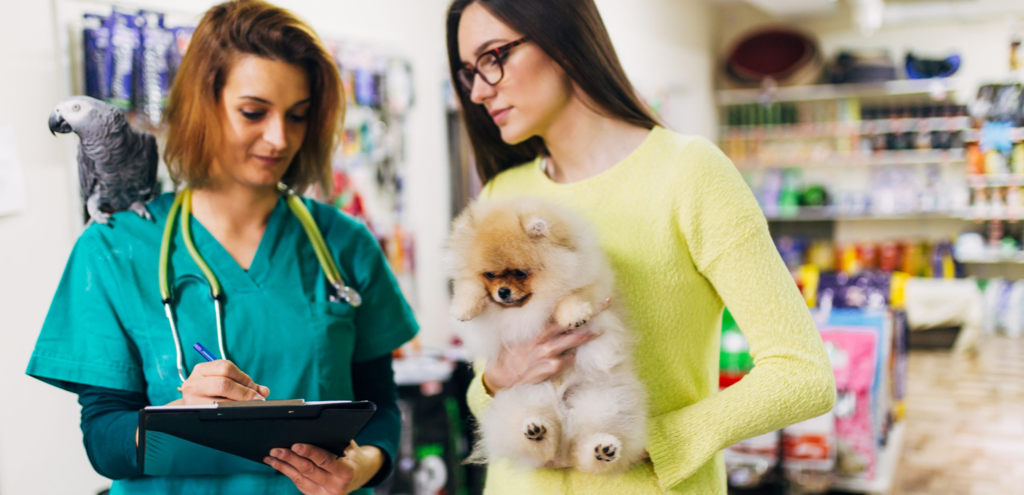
point(107, 338)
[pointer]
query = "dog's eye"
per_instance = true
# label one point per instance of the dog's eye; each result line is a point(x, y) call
point(489, 275)
point(521, 274)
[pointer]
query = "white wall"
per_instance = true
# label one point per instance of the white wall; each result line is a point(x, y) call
point(665, 46)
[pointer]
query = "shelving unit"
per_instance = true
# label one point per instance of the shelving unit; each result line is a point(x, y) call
point(885, 473)
point(879, 159)
point(817, 92)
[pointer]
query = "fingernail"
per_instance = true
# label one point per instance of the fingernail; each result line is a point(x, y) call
point(268, 460)
point(276, 452)
point(298, 448)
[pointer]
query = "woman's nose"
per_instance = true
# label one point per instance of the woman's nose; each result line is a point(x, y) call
point(480, 91)
point(275, 134)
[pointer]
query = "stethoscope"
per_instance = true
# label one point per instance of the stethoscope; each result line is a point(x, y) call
point(183, 201)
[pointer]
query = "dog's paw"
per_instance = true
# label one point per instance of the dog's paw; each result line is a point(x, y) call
point(541, 439)
point(607, 452)
point(465, 312)
point(535, 432)
point(574, 315)
point(599, 454)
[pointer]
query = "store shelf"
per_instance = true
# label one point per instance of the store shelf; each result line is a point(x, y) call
point(836, 91)
point(993, 260)
point(885, 470)
point(829, 214)
point(851, 128)
point(879, 159)
point(995, 180)
point(974, 135)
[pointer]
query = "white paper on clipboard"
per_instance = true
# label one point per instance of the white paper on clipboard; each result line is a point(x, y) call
point(12, 181)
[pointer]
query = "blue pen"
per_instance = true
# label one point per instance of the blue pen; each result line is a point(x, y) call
point(209, 357)
point(202, 350)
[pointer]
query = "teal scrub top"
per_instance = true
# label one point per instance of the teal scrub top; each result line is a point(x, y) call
point(106, 326)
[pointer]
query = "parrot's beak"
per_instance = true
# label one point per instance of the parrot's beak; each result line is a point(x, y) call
point(58, 124)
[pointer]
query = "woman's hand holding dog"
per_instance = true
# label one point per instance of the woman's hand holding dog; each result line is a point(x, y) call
point(534, 362)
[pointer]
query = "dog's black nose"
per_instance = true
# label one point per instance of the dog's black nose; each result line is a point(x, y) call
point(504, 292)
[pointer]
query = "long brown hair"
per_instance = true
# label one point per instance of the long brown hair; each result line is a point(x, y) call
point(250, 27)
point(572, 33)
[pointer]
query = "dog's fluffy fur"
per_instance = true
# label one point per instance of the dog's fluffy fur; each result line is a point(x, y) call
point(515, 265)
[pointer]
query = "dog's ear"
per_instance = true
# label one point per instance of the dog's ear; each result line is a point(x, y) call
point(536, 227)
point(463, 221)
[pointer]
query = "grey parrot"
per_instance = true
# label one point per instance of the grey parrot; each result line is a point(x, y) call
point(116, 163)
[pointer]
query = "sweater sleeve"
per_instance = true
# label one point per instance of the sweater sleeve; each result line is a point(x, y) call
point(477, 397)
point(374, 380)
point(109, 421)
point(792, 379)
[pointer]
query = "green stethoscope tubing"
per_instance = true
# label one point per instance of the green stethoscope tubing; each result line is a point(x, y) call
point(183, 201)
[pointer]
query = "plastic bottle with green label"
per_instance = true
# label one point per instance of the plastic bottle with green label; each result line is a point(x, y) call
point(734, 356)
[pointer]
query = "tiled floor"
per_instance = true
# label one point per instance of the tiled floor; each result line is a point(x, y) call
point(965, 423)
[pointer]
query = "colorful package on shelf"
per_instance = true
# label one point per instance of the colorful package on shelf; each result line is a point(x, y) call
point(807, 278)
point(95, 39)
point(182, 37)
point(809, 454)
point(734, 355)
point(1004, 307)
point(153, 65)
point(898, 361)
point(121, 53)
point(869, 290)
point(853, 354)
point(749, 461)
point(880, 323)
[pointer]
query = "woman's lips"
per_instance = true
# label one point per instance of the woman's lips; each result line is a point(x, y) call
point(500, 116)
point(268, 160)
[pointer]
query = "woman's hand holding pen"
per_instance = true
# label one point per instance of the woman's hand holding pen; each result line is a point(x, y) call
point(316, 471)
point(219, 381)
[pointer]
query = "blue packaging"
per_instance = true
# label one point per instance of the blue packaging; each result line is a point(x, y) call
point(96, 38)
point(182, 36)
point(152, 65)
point(121, 53)
point(366, 87)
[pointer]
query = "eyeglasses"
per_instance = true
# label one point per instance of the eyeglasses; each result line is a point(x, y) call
point(490, 66)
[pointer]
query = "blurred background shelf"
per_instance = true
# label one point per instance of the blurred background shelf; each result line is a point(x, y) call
point(831, 214)
point(882, 158)
point(937, 87)
point(885, 471)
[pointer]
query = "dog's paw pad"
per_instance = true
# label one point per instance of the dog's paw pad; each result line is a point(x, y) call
point(535, 432)
point(606, 453)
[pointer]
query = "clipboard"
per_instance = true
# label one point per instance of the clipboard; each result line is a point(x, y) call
point(234, 437)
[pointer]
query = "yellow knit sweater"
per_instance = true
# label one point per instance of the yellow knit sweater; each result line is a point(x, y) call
point(685, 235)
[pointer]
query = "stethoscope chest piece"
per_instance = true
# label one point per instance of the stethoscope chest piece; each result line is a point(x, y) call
point(347, 294)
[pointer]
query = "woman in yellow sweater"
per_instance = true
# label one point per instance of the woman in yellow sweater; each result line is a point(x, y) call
point(550, 113)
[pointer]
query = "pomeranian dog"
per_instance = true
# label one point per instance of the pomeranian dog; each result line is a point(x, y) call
point(516, 265)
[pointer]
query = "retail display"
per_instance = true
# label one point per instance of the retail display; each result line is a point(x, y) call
point(865, 333)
